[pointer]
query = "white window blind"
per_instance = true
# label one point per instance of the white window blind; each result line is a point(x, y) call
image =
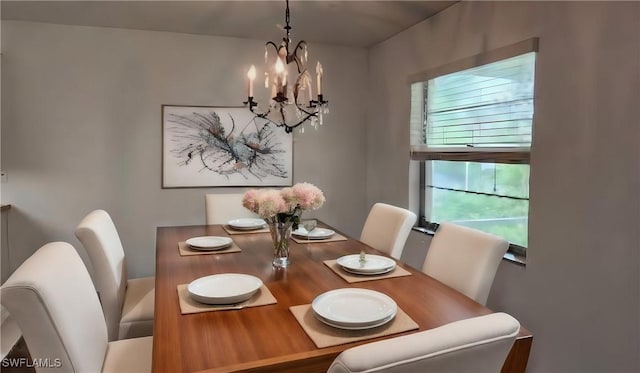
point(477, 109)
point(489, 106)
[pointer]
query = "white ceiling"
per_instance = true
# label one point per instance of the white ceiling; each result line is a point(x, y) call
point(351, 23)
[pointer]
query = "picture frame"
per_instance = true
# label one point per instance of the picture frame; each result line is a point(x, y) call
point(211, 146)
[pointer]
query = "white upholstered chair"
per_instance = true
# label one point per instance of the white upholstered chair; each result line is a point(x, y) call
point(9, 332)
point(54, 302)
point(128, 304)
point(387, 228)
point(220, 208)
point(465, 259)
point(477, 345)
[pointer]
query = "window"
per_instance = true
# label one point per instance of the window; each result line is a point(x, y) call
point(471, 128)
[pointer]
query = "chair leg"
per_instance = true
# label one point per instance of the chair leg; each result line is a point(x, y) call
point(18, 360)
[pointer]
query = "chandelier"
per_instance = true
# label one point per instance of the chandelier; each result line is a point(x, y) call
point(287, 76)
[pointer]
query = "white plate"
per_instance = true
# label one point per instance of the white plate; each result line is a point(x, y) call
point(373, 264)
point(247, 224)
point(209, 242)
point(315, 234)
point(226, 288)
point(381, 272)
point(353, 307)
point(369, 326)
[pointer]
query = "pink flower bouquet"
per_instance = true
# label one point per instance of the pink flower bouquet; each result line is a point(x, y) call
point(285, 205)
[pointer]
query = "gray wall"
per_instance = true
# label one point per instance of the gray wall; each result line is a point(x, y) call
point(580, 290)
point(81, 129)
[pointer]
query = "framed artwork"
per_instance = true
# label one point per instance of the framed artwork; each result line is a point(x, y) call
point(204, 146)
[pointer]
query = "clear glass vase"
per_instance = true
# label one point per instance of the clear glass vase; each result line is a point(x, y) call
point(281, 235)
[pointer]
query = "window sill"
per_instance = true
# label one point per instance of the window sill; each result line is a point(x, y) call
point(510, 256)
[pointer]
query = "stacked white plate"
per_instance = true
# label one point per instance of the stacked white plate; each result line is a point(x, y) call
point(246, 224)
point(354, 308)
point(372, 264)
point(226, 288)
point(209, 243)
point(315, 234)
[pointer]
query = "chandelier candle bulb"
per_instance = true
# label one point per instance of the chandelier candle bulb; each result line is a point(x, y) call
point(285, 86)
point(319, 77)
point(284, 79)
point(280, 80)
point(279, 66)
point(252, 76)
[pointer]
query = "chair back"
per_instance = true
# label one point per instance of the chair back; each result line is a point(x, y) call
point(387, 228)
point(220, 208)
point(53, 300)
point(465, 259)
point(99, 236)
point(477, 345)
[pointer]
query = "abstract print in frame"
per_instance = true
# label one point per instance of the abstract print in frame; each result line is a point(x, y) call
point(205, 146)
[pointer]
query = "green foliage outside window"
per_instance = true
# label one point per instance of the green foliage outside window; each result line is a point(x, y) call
point(503, 216)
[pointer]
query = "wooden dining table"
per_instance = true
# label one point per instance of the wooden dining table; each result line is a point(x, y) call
point(269, 338)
